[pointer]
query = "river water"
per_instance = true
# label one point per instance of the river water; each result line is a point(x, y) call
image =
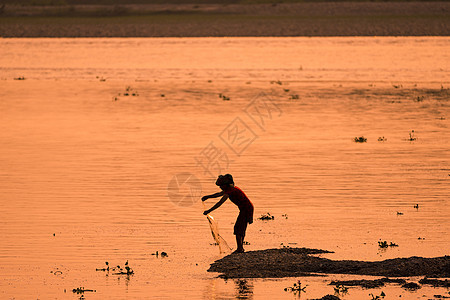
point(99, 137)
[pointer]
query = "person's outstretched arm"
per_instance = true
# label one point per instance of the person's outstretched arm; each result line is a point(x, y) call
point(212, 196)
point(217, 205)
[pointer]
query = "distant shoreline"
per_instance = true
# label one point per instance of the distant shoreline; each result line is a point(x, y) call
point(217, 20)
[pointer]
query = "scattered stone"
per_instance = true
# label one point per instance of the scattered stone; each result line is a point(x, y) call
point(393, 280)
point(223, 97)
point(367, 284)
point(328, 297)
point(436, 282)
point(266, 217)
point(411, 286)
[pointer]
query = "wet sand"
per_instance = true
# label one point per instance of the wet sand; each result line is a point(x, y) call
point(284, 19)
point(296, 262)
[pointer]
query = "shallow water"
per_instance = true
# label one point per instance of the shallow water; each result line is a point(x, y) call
point(86, 171)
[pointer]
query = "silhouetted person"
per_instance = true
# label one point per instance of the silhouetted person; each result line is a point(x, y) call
point(238, 197)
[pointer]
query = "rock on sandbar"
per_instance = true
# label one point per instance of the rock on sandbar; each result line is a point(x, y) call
point(296, 262)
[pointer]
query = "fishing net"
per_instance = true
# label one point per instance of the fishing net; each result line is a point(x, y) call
point(220, 241)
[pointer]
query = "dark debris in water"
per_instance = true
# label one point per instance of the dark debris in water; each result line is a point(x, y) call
point(266, 217)
point(385, 244)
point(118, 269)
point(436, 282)
point(82, 290)
point(297, 262)
point(360, 139)
point(411, 286)
point(296, 288)
point(368, 284)
point(328, 297)
point(162, 254)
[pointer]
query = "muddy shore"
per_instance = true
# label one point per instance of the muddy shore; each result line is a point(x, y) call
point(203, 20)
point(296, 262)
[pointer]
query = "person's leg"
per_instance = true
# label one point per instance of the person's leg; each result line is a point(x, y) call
point(239, 231)
point(239, 243)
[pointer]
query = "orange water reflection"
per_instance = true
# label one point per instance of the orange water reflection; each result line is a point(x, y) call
point(84, 176)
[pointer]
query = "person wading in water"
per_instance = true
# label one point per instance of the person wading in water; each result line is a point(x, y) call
point(238, 197)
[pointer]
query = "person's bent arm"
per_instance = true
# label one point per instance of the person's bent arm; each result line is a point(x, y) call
point(213, 196)
point(217, 205)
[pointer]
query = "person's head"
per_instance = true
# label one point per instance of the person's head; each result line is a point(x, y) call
point(225, 181)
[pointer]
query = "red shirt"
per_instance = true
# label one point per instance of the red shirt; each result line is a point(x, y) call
point(238, 197)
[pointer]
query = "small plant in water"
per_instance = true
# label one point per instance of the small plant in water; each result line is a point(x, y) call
point(340, 289)
point(129, 271)
point(384, 244)
point(296, 288)
point(419, 98)
point(266, 217)
point(117, 269)
point(411, 136)
point(223, 97)
point(360, 139)
point(104, 269)
point(377, 297)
